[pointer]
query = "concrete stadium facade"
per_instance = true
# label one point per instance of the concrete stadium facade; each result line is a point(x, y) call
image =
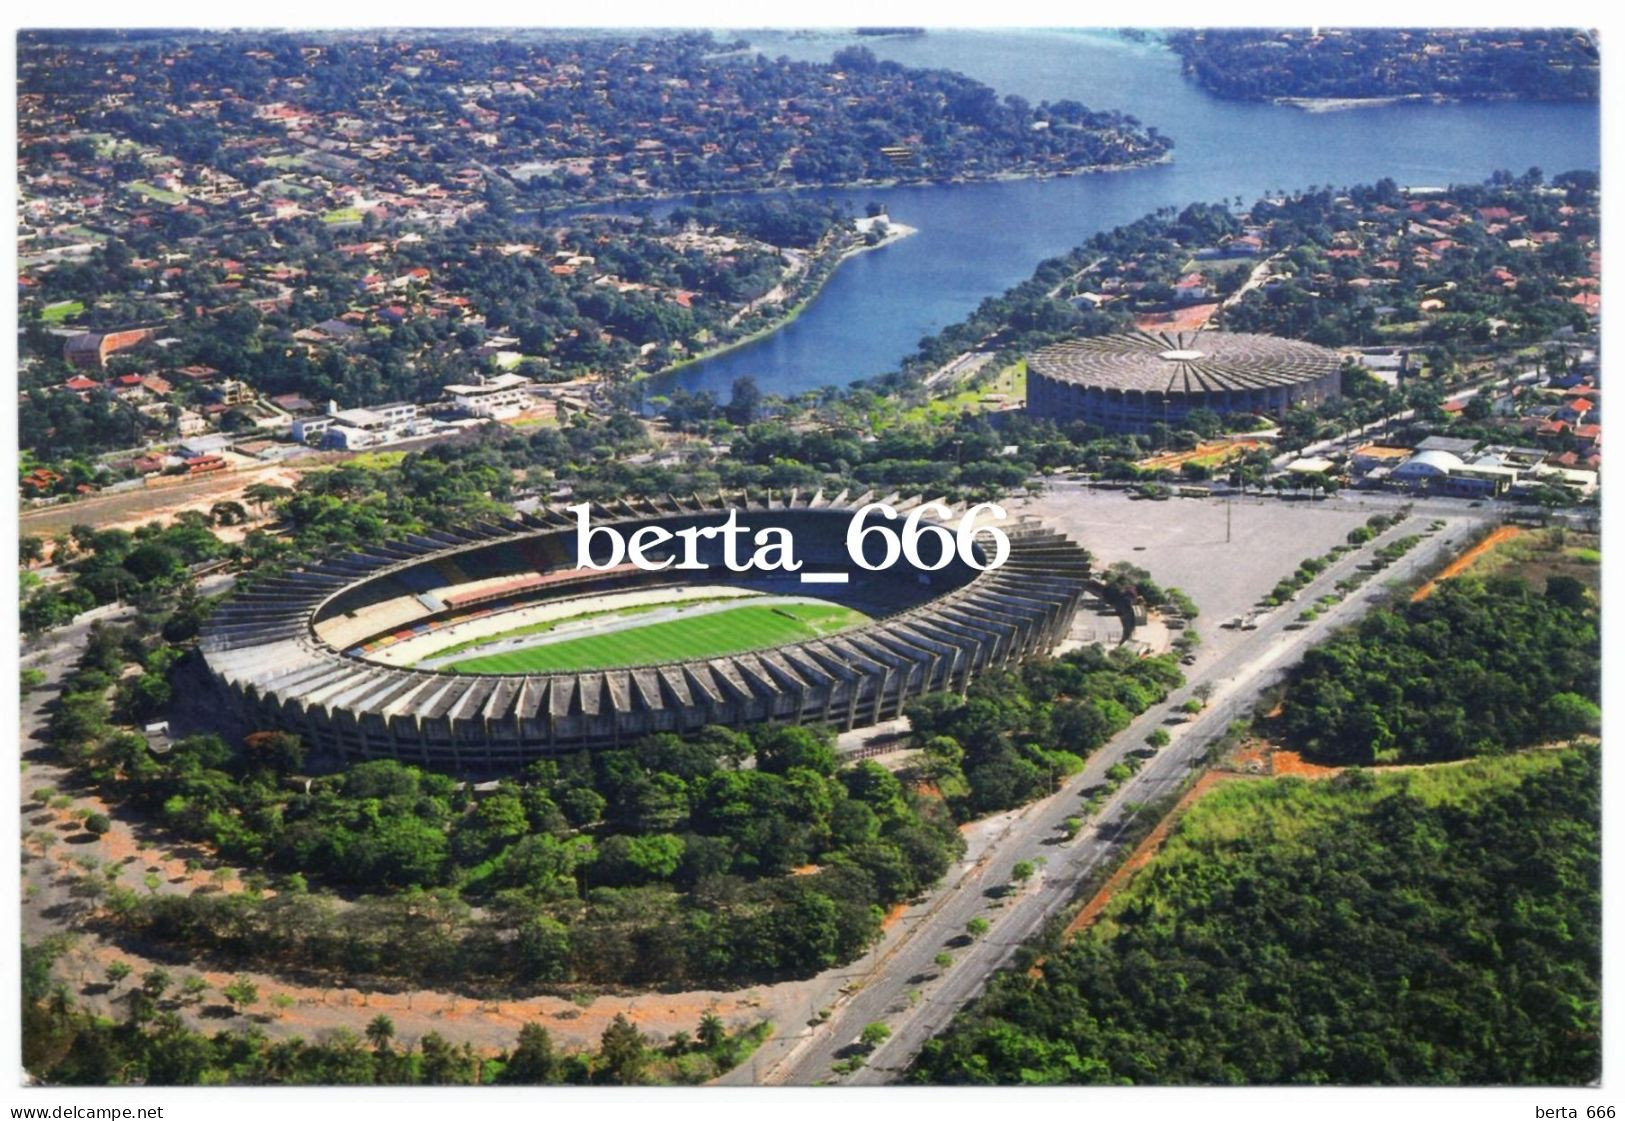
point(1128, 382)
point(292, 651)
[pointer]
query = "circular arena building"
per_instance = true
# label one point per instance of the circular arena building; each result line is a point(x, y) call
point(1128, 382)
point(479, 648)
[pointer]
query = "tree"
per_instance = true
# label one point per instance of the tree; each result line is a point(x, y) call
point(533, 1061)
point(446, 1065)
point(623, 1055)
point(155, 983)
point(1570, 714)
point(241, 994)
point(712, 1032)
point(260, 495)
point(744, 403)
point(780, 748)
point(227, 512)
point(1022, 871)
point(117, 972)
point(380, 1032)
point(874, 1034)
point(283, 752)
point(977, 927)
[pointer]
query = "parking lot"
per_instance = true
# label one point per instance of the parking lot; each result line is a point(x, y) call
point(1182, 541)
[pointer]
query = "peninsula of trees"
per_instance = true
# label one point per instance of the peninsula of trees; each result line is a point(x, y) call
point(1546, 64)
point(568, 119)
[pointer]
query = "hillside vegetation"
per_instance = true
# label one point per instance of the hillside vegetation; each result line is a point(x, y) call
point(1476, 668)
point(1424, 927)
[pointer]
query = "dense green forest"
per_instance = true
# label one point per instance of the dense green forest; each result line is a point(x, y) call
point(1476, 668)
point(1014, 735)
point(1543, 64)
point(1421, 928)
point(67, 1045)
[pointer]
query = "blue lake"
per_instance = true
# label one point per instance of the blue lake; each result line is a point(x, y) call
point(978, 239)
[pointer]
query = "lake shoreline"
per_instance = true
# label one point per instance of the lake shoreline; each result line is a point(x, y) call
point(1036, 175)
point(896, 232)
point(1340, 104)
point(981, 238)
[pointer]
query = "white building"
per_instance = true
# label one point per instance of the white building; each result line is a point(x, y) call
point(356, 428)
point(495, 397)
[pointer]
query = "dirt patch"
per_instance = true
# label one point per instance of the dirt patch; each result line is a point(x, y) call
point(1209, 455)
point(1191, 318)
point(1260, 756)
point(1252, 758)
point(1467, 560)
point(1292, 763)
point(135, 508)
point(284, 1009)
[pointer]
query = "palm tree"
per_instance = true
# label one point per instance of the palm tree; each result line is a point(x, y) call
point(380, 1031)
point(712, 1031)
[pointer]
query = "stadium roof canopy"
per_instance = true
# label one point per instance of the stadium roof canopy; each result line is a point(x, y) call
point(1184, 361)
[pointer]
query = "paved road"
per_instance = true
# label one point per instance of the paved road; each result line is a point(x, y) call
point(55, 653)
point(898, 982)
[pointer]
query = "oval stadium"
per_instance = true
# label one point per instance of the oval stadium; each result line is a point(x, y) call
point(1128, 382)
point(478, 648)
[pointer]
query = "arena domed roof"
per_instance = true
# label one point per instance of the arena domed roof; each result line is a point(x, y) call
point(1184, 362)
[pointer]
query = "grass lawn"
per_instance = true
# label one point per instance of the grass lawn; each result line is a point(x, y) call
point(1011, 382)
point(109, 145)
point(703, 636)
point(282, 188)
point(533, 422)
point(1211, 269)
point(156, 194)
point(376, 461)
point(56, 313)
point(1535, 555)
point(343, 214)
point(553, 624)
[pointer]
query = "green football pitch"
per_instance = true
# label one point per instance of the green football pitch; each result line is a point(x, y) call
point(711, 635)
